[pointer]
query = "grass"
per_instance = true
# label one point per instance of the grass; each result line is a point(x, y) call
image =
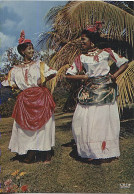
point(67, 174)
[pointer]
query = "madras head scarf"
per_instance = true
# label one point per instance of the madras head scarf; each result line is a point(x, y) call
point(22, 38)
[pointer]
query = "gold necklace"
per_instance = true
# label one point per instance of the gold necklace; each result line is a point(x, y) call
point(93, 49)
point(93, 53)
point(26, 62)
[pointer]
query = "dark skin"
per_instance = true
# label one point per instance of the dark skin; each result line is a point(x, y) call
point(46, 79)
point(86, 45)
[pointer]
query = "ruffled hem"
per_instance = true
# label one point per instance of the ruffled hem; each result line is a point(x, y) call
point(98, 151)
point(23, 140)
point(24, 151)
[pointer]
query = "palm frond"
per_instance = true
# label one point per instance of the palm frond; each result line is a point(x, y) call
point(76, 15)
point(66, 54)
point(43, 38)
point(125, 83)
point(51, 40)
point(123, 5)
point(60, 75)
point(62, 60)
point(50, 16)
point(68, 21)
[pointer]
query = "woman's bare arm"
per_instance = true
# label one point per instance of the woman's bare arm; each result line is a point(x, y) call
point(46, 79)
point(77, 77)
point(50, 77)
point(119, 71)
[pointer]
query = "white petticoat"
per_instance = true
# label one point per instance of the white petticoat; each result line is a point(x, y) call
point(94, 125)
point(23, 140)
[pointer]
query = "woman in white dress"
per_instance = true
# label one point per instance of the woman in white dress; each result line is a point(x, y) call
point(96, 123)
point(34, 124)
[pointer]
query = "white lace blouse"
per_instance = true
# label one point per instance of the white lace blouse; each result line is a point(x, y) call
point(33, 74)
point(97, 68)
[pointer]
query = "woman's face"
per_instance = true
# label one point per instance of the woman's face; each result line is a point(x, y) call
point(29, 51)
point(85, 43)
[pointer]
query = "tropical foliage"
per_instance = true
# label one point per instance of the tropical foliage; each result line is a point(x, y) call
point(126, 87)
point(11, 57)
point(68, 22)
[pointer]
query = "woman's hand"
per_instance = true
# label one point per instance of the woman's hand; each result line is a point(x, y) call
point(14, 86)
point(113, 78)
point(119, 71)
point(39, 82)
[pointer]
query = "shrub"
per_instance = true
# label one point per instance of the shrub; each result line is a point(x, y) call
point(6, 108)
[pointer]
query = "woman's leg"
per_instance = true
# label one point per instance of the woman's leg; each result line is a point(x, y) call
point(44, 156)
point(30, 157)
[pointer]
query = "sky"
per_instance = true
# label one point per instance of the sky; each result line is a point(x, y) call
point(27, 15)
point(23, 15)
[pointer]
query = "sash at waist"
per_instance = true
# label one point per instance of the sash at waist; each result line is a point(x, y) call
point(33, 108)
point(98, 91)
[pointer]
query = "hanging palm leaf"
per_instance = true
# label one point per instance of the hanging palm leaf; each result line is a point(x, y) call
point(63, 59)
point(50, 17)
point(125, 5)
point(68, 23)
point(76, 15)
point(126, 87)
point(52, 83)
point(70, 20)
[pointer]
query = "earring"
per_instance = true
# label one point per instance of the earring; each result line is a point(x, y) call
point(92, 45)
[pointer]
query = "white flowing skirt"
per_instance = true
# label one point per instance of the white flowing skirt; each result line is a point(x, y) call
point(23, 140)
point(96, 131)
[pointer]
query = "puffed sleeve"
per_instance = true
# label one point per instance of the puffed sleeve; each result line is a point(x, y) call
point(119, 60)
point(5, 82)
point(72, 70)
point(44, 70)
point(49, 71)
point(10, 78)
